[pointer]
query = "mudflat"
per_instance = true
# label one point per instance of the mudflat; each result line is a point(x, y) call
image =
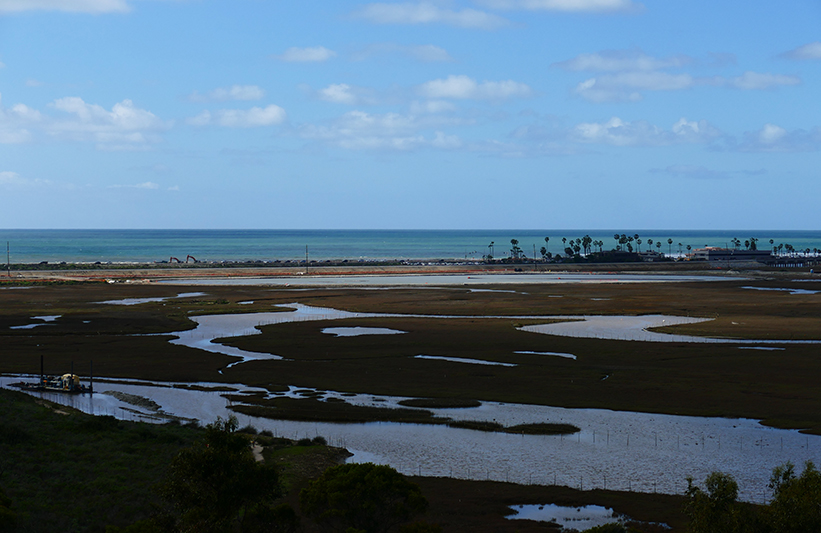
point(775, 384)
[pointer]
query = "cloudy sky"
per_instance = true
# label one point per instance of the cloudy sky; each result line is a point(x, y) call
point(485, 114)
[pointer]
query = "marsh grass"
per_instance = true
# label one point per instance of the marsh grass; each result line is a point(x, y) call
point(651, 377)
point(78, 472)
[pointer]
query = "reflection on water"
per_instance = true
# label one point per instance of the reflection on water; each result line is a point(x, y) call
point(463, 360)
point(637, 328)
point(632, 328)
point(791, 291)
point(137, 301)
point(615, 449)
point(576, 518)
point(45, 322)
point(357, 331)
point(417, 280)
point(557, 354)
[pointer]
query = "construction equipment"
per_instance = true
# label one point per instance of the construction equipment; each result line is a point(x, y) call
point(69, 383)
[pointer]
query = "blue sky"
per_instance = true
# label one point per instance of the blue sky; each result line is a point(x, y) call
point(451, 114)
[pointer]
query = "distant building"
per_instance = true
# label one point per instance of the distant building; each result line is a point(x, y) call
point(714, 253)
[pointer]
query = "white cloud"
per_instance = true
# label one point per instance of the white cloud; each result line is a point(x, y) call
point(431, 107)
point(630, 73)
point(31, 82)
point(691, 172)
point(629, 86)
point(234, 92)
point(428, 13)
point(13, 180)
point(771, 134)
point(463, 87)
point(203, 119)
point(124, 127)
point(76, 6)
point(810, 51)
point(339, 93)
point(15, 123)
point(357, 130)
point(426, 53)
point(774, 138)
point(148, 185)
point(620, 60)
point(591, 6)
point(758, 81)
point(316, 54)
point(618, 132)
point(241, 118)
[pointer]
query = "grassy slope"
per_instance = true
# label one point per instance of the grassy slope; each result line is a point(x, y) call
point(65, 471)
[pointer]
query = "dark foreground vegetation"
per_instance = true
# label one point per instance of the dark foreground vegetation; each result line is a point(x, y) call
point(794, 508)
point(66, 471)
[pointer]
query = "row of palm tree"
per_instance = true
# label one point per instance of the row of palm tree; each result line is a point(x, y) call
point(633, 243)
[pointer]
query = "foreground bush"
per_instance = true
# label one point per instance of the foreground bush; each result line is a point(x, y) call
point(216, 484)
point(795, 507)
point(362, 497)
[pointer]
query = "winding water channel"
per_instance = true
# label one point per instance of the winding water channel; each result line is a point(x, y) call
point(615, 450)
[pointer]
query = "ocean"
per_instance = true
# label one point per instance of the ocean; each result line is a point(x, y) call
point(141, 246)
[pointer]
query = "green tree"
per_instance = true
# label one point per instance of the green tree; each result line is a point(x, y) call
point(515, 251)
point(361, 497)
point(796, 504)
point(215, 484)
point(715, 509)
point(8, 518)
point(612, 527)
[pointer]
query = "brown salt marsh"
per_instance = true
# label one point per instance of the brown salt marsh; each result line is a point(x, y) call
point(677, 378)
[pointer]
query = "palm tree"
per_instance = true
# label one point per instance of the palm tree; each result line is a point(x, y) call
point(547, 243)
point(515, 251)
point(638, 242)
point(670, 246)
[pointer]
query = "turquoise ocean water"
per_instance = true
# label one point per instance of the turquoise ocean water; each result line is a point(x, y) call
point(34, 246)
